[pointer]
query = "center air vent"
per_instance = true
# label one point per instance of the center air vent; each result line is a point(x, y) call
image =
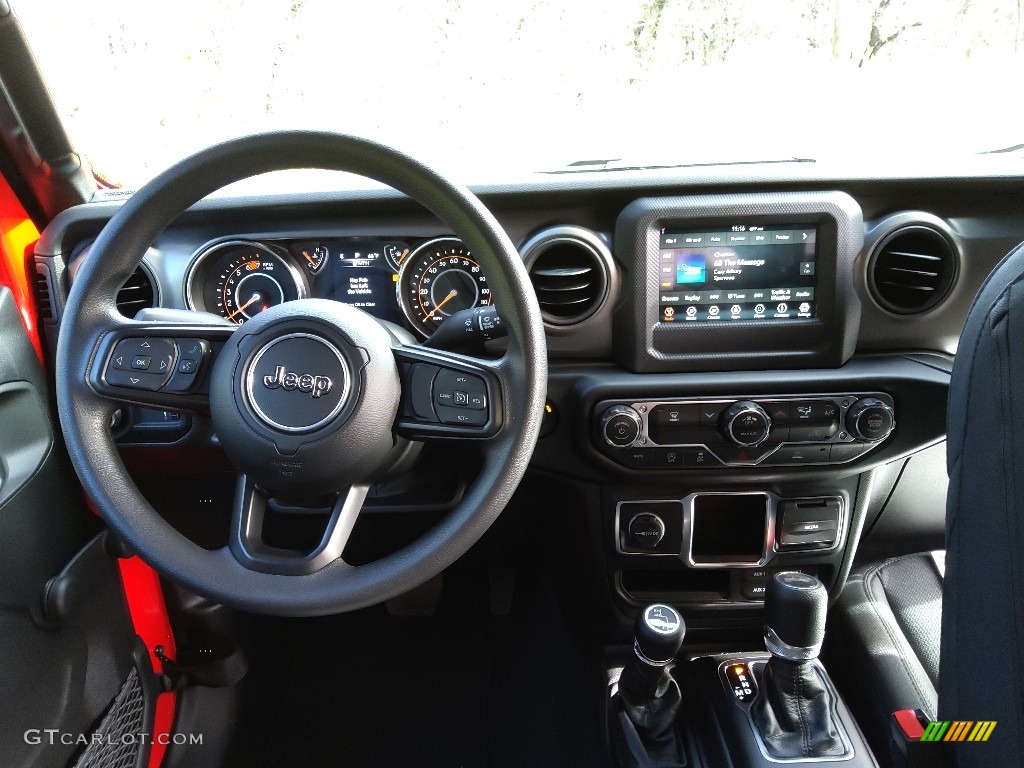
point(136, 294)
point(569, 268)
point(912, 269)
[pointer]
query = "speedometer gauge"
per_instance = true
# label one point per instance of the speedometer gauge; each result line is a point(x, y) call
point(241, 278)
point(437, 279)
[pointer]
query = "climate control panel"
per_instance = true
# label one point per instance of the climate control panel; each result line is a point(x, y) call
point(780, 430)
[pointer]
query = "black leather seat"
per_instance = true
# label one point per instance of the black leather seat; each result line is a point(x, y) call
point(884, 641)
point(982, 662)
point(889, 612)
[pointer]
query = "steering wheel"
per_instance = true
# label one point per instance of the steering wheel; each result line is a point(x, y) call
point(310, 398)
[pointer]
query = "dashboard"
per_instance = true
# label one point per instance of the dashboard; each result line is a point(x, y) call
point(748, 366)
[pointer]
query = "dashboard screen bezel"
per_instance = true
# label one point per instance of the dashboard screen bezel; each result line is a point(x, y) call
point(644, 343)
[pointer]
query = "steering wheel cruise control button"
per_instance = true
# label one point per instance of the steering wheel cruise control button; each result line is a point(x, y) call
point(462, 416)
point(460, 398)
point(455, 388)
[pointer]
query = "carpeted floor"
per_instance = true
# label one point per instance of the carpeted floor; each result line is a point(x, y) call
point(462, 689)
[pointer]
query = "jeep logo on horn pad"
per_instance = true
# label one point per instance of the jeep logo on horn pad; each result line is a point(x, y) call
point(304, 382)
point(303, 363)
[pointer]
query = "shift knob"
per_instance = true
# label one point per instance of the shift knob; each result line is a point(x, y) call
point(658, 633)
point(657, 636)
point(795, 606)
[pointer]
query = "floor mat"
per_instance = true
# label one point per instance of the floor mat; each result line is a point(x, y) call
point(460, 690)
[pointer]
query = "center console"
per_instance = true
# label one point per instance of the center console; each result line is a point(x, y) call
point(735, 435)
point(734, 442)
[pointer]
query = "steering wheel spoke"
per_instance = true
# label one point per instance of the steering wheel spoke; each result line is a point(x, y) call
point(157, 364)
point(250, 549)
point(449, 395)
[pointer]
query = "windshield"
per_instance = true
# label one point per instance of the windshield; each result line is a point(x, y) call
point(484, 89)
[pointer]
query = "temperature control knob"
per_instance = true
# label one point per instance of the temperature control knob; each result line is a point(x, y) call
point(745, 423)
point(870, 420)
point(620, 425)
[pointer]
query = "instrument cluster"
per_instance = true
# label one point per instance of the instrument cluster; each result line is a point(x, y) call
point(415, 284)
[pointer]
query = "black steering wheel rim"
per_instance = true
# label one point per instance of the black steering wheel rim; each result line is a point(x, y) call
point(85, 414)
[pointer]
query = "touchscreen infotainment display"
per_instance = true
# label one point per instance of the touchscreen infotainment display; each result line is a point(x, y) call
point(738, 272)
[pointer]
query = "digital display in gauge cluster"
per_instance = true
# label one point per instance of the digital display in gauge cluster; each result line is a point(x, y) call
point(357, 272)
point(416, 283)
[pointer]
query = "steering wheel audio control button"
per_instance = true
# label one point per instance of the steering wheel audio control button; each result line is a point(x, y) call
point(191, 355)
point(133, 380)
point(140, 363)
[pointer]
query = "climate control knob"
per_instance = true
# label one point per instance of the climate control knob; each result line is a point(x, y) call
point(620, 425)
point(870, 420)
point(745, 423)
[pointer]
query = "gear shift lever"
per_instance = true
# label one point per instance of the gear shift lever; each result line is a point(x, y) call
point(795, 606)
point(643, 713)
point(658, 636)
point(794, 711)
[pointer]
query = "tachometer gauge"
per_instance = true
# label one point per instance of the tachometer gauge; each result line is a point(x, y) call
point(239, 279)
point(438, 278)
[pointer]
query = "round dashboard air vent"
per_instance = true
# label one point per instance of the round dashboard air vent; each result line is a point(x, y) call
point(136, 294)
point(912, 269)
point(569, 268)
